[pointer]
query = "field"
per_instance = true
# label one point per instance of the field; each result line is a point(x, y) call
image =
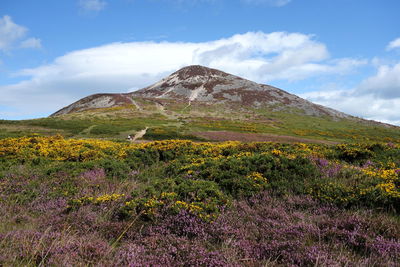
point(92, 202)
point(176, 120)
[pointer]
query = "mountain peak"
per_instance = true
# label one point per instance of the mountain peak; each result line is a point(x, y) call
point(197, 70)
point(194, 83)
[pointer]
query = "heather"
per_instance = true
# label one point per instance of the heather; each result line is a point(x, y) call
point(93, 202)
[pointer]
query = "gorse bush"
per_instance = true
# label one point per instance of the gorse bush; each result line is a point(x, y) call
point(357, 153)
point(301, 203)
point(236, 169)
point(199, 197)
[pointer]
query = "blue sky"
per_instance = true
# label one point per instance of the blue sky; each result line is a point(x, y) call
point(341, 53)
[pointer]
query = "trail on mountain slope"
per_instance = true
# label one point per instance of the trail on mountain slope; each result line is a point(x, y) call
point(140, 134)
point(161, 109)
point(195, 93)
point(135, 104)
point(190, 103)
point(87, 130)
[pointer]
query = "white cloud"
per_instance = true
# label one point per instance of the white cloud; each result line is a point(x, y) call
point(365, 106)
point(393, 44)
point(377, 97)
point(118, 66)
point(10, 33)
point(92, 5)
point(384, 84)
point(276, 3)
point(31, 43)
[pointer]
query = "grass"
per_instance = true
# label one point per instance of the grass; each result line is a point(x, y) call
point(168, 132)
point(111, 128)
point(117, 123)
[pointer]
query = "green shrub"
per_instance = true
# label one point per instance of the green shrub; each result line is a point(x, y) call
point(247, 175)
point(202, 198)
point(137, 158)
point(105, 129)
point(114, 168)
point(163, 133)
point(353, 153)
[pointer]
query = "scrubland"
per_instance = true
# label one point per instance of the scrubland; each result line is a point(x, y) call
point(91, 202)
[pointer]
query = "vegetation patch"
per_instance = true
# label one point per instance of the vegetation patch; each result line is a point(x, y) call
point(179, 202)
point(163, 133)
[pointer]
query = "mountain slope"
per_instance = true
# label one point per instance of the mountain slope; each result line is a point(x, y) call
point(202, 84)
point(211, 86)
point(203, 103)
point(96, 101)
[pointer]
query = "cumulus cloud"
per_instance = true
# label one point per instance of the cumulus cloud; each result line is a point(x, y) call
point(92, 5)
point(393, 44)
point(385, 84)
point(377, 97)
point(10, 32)
point(365, 106)
point(116, 67)
point(31, 43)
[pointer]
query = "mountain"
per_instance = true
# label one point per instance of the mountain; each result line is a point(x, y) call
point(197, 102)
point(205, 85)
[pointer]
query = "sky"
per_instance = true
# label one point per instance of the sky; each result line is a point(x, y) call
point(344, 54)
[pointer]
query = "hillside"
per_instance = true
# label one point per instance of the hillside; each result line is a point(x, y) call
point(207, 86)
point(75, 192)
point(68, 202)
point(200, 103)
